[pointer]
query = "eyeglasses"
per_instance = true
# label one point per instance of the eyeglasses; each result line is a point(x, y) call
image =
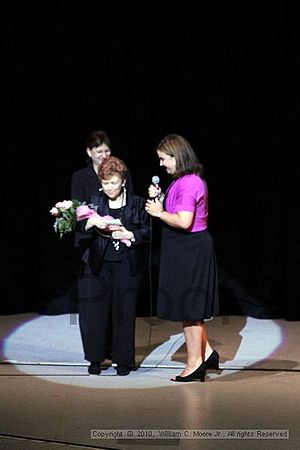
point(101, 152)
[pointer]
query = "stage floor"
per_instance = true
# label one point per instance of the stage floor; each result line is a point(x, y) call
point(48, 401)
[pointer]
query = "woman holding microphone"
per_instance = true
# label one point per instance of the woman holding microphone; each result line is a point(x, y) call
point(187, 290)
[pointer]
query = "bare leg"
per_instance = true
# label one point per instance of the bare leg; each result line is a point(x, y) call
point(197, 345)
point(206, 349)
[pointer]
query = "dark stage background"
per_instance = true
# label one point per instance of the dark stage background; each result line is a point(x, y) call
point(225, 77)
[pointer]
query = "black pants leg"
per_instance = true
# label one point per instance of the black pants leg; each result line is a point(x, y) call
point(94, 293)
point(105, 300)
point(125, 291)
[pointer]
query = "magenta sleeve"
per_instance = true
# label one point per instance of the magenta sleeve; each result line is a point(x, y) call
point(189, 191)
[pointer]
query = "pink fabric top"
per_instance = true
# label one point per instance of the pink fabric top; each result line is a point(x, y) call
point(189, 193)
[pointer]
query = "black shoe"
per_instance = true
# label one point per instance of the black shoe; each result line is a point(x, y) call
point(94, 368)
point(212, 361)
point(198, 374)
point(123, 370)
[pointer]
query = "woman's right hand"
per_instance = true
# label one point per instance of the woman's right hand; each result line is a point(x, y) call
point(154, 191)
point(95, 222)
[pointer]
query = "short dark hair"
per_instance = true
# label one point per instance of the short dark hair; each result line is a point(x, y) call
point(97, 138)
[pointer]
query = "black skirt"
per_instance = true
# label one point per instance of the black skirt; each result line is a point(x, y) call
point(188, 287)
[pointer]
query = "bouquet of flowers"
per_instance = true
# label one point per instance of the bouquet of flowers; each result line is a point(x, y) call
point(69, 212)
point(65, 216)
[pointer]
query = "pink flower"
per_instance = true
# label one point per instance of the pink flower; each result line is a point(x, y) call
point(54, 211)
point(84, 212)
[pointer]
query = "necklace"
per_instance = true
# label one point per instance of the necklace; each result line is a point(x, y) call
point(116, 242)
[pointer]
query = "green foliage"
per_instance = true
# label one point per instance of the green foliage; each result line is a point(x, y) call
point(65, 222)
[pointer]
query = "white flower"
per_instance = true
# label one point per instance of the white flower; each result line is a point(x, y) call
point(66, 204)
point(54, 211)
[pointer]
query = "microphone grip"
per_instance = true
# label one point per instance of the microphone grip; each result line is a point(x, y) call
point(153, 194)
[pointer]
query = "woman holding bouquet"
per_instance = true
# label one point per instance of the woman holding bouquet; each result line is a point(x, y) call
point(85, 183)
point(113, 264)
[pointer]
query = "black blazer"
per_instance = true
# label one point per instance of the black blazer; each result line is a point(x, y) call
point(134, 218)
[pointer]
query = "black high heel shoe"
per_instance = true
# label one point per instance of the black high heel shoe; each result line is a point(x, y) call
point(198, 374)
point(212, 361)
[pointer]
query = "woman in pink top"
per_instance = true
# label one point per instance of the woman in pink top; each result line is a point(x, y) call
point(187, 290)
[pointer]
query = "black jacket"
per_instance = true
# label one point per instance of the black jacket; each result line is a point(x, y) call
point(85, 183)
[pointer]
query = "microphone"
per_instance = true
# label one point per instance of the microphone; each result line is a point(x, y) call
point(155, 179)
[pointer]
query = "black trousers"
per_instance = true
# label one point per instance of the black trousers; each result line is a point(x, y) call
point(108, 300)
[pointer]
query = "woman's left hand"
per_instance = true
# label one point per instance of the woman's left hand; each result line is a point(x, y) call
point(122, 233)
point(154, 207)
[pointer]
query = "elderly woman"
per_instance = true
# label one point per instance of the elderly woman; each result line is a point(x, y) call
point(85, 182)
point(187, 281)
point(112, 267)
